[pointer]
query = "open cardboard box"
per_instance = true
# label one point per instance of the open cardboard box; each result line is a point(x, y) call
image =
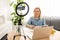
point(42, 39)
point(41, 33)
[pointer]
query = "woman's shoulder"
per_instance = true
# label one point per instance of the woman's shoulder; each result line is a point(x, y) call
point(42, 18)
point(32, 17)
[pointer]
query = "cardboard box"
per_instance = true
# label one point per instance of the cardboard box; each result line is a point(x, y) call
point(42, 33)
point(42, 39)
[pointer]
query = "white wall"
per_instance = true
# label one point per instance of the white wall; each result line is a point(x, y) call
point(5, 8)
point(48, 7)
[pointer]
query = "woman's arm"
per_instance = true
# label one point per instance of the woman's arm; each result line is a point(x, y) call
point(29, 23)
point(30, 26)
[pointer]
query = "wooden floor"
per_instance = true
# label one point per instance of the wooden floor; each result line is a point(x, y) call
point(11, 35)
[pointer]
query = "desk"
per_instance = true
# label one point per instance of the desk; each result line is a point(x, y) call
point(29, 32)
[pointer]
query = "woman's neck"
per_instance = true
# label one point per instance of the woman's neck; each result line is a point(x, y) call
point(36, 17)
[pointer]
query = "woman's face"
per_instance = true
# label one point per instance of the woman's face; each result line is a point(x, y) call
point(37, 12)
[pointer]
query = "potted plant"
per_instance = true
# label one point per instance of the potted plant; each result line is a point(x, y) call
point(14, 16)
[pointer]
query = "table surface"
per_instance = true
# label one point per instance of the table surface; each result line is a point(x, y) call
point(29, 32)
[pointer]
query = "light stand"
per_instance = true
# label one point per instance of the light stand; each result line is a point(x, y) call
point(19, 21)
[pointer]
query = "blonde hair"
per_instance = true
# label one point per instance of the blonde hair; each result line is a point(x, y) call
point(39, 10)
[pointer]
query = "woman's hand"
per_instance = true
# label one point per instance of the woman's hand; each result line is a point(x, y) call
point(31, 26)
point(45, 26)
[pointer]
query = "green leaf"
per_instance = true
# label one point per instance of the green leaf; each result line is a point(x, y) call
point(14, 22)
point(22, 18)
point(18, 1)
point(14, 6)
point(22, 0)
point(13, 13)
point(11, 3)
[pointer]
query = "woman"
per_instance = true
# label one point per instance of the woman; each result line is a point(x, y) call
point(36, 20)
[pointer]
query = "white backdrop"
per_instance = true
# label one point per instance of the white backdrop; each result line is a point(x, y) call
point(48, 7)
point(5, 9)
